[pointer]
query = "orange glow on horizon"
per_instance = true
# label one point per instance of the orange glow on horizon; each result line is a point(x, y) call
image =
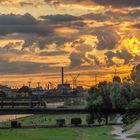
point(86, 77)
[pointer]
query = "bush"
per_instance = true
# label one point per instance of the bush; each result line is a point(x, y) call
point(90, 119)
point(60, 122)
point(76, 121)
point(15, 124)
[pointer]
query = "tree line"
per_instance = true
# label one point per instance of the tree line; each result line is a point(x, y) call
point(118, 94)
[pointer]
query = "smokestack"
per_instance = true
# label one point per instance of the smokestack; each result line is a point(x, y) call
point(62, 76)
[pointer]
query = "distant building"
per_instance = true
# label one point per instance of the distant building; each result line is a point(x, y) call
point(64, 86)
point(24, 91)
point(2, 94)
point(38, 91)
point(80, 88)
point(5, 89)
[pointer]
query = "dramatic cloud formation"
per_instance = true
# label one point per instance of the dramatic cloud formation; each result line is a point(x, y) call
point(114, 3)
point(22, 24)
point(22, 67)
point(36, 36)
point(118, 3)
point(22, 2)
point(79, 54)
point(61, 18)
point(109, 15)
point(123, 54)
point(137, 25)
point(108, 38)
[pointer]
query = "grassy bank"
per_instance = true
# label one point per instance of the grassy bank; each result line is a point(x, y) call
point(98, 133)
point(129, 126)
point(50, 120)
point(46, 119)
point(137, 136)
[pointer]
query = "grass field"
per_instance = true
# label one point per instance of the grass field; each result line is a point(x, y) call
point(95, 133)
point(137, 136)
point(98, 133)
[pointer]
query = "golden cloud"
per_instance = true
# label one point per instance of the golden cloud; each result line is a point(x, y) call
point(66, 30)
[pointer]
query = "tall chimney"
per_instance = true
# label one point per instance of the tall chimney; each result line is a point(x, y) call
point(62, 76)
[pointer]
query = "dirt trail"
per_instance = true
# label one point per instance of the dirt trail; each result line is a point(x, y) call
point(83, 135)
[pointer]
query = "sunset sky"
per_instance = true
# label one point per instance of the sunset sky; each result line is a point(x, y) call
point(90, 37)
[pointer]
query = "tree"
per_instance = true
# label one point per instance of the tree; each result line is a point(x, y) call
point(99, 100)
point(134, 105)
point(2, 94)
point(90, 119)
point(132, 111)
point(135, 76)
point(120, 95)
point(25, 89)
point(117, 79)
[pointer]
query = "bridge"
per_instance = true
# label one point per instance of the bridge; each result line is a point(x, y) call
point(42, 101)
point(47, 97)
point(10, 111)
point(39, 105)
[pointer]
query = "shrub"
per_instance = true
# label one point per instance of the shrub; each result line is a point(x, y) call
point(76, 121)
point(60, 122)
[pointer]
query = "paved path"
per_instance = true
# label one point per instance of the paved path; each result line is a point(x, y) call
point(117, 131)
point(134, 129)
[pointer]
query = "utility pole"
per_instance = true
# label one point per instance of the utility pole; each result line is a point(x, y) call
point(29, 84)
point(115, 71)
point(38, 84)
point(74, 79)
point(48, 86)
point(62, 75)
point(95, 79)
